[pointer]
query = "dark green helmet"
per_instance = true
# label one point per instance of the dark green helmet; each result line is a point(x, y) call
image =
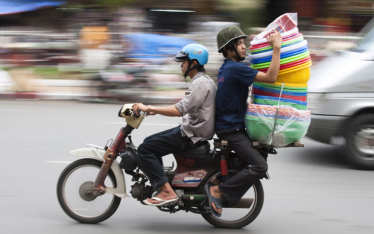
point(228, 34)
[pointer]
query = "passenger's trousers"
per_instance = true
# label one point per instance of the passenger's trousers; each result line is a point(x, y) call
point(255, 165)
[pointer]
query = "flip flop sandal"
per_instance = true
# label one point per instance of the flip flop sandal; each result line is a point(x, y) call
point(161, 201)
point(216, 201)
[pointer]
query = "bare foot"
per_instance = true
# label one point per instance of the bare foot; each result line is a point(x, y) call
point(215, 192)
point(166, 193)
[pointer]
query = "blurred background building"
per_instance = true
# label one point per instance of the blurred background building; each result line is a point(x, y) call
point(88, 40)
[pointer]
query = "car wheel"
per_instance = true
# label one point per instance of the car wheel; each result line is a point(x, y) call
point(359, 147)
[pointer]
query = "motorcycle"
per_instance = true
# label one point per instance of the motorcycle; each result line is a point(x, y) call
point(118, 83)
point(90, 189)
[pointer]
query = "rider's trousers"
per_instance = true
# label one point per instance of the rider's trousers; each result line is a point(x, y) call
point(256, 166)
point(156, 146)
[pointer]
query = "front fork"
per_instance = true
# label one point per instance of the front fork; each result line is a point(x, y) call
point(109, 156)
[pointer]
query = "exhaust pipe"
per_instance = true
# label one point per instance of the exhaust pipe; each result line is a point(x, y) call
point(197, 198)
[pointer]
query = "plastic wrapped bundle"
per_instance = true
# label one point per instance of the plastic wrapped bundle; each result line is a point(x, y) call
point(285, 24)
point(290, 125)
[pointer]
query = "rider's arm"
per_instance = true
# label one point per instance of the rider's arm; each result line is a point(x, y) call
point(193, 99)
point(270, 76)
point(153, 110)
point(166, 111)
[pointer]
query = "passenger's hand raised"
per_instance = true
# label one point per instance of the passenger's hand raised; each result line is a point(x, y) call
point(275, 40)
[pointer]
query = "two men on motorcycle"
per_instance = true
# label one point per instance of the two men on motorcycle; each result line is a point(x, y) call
point(205, 112)
point(197, 109)
point(233, 81)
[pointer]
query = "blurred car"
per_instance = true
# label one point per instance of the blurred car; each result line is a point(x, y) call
point(341, 101)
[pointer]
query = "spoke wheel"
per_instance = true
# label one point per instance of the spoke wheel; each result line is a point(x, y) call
point(74, 192)
point(239, 217)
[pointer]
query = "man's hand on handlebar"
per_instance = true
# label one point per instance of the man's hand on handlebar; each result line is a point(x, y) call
point(137, 107)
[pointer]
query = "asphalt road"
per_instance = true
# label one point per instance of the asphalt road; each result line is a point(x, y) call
point(310, 190)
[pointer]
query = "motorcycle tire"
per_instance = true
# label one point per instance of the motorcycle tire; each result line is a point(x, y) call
point(235, 218)
point(358, 150)
point(72, 186)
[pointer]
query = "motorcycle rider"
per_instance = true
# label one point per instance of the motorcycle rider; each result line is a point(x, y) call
point(233, 81)
point(197, 109)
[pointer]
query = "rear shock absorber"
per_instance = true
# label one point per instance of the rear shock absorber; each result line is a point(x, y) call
point(224, 171)
point(223, 161)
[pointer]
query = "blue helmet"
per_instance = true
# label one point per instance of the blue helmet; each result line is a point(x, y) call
point(193, 51)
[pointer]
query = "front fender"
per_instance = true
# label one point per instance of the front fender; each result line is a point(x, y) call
point(90, 152)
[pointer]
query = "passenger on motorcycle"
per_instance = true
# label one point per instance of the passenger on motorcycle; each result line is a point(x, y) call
point(197, 108)
point(233, 81)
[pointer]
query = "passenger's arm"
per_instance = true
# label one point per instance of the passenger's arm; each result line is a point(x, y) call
point(270, 76)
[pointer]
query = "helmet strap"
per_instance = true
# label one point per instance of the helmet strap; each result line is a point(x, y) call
point(237, 54)
point(190, 69)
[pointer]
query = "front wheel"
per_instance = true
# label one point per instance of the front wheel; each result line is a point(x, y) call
point(239, 217)
point(73, 192)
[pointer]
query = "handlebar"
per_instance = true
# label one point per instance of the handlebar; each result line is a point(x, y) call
point(140, 113)
point(132, 118)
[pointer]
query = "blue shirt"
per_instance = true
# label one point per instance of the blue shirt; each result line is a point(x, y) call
point(234, 79)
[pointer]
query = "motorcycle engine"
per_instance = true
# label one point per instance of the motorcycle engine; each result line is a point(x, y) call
point(140, 191)
point(129, 160)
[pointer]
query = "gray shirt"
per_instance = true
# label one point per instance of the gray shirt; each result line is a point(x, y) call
point(198, 108)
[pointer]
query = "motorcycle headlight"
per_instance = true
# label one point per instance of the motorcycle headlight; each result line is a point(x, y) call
point(316, 101)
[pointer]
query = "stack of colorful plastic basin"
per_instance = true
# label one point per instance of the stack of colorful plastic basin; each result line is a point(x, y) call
point(278, 114)
point(291, 94)
point(291, 124)
point(294, 70)
point(295, 58)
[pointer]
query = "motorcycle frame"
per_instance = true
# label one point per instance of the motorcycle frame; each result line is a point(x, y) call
point(108, 157)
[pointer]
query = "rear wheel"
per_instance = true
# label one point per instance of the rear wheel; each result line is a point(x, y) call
point(239, 217)
point(75, 198)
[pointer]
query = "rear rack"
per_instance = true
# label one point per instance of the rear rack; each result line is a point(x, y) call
point(293, 144)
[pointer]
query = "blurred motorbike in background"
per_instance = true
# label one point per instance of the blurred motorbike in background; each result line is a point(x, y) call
point(135, 70)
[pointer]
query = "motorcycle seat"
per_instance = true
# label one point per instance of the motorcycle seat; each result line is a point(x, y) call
point(196, 152)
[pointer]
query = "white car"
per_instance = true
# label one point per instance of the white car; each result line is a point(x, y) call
point(341, 101)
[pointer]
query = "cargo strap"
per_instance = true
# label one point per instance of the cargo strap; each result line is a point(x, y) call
point(276, 115)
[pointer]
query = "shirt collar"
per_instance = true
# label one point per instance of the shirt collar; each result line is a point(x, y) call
point(197, 76)
point(228, 59)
